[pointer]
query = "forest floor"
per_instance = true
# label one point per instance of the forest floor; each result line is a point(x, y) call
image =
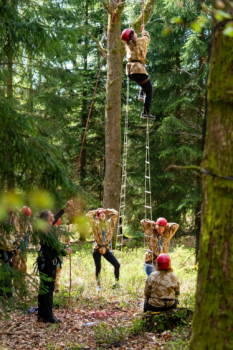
point(118, 312)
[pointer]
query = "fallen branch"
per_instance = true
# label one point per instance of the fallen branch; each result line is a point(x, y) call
point(12, 333)
point(193, 75)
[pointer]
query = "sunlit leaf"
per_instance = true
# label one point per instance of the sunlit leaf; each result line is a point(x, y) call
point(228, 31)
point(196, 27)
point(178, 20)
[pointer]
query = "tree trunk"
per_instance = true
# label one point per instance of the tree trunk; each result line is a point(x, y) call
point(10, 178)
point(213, 320)
point(84, 106)
point(84, 119)
point(116, 52)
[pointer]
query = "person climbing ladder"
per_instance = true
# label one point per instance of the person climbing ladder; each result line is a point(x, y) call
point(103, 232)
point(136, 49)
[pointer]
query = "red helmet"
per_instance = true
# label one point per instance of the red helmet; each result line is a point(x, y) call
point(125, 34)
point(100, 210)
point(26, 210)
point(163, 261)
point(58, 223)
point(161, 222)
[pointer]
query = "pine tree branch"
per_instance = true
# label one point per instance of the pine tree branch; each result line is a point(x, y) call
point(92, 37)
point(106, 8)
point(181, 133)
point(193, 75)
point(189, 167)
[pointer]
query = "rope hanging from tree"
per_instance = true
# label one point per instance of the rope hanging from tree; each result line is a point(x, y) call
point(89, 114)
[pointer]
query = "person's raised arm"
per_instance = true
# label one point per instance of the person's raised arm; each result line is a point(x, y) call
point(114, 215)
point(59, 214)
point(172, 228)
point(145, 35)
point(147, 224)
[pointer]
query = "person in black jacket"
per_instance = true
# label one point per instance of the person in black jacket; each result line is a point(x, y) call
point(47, 262)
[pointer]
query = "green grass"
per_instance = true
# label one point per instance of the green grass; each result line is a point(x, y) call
point(132, 277)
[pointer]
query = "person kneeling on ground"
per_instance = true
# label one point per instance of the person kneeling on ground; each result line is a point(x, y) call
point(103, 232)
point(162, 287)
point(47, 263)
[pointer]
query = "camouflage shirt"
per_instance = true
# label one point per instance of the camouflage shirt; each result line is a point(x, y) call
point(137, 52)
point(102, 235)
point(156, 239)
point(160, 285)
point(8, 240)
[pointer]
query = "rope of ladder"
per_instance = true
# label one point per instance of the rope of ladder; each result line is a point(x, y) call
point(121, 216)
point(89, 114)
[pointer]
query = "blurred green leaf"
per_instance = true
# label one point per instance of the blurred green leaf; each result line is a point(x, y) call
point(228, 31)
point(41, 200)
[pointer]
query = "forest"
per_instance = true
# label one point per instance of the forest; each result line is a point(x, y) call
point(70, 129)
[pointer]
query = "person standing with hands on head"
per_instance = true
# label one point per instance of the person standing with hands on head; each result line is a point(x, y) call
point(47, 263)
point(158, 235)
point(103, 232)
point(136, 49)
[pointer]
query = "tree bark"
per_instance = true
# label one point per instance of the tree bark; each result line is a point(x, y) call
point(116, 53)
point(213, 320)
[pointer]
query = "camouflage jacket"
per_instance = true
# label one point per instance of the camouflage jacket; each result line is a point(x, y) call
point(153, 242)
point(137, 52)
point(160, 285)
point(8, 240)
point(102, 241)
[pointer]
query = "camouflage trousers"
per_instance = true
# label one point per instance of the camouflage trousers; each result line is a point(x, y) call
point(57, 280)
point(19, 264)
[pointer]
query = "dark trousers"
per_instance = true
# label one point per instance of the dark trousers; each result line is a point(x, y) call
point(110, 258)
point(146, 87)
point(45, 299)
point(149, 307)
point(6, 283)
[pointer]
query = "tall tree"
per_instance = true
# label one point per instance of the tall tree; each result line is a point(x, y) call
point(116, 53)
point(212, 325)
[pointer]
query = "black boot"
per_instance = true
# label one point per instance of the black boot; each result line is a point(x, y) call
point(48, 319)
point(145, 116)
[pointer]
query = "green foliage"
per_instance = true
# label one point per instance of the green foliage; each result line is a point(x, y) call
point(138, 327)
point(103, 335)
point(178, 104)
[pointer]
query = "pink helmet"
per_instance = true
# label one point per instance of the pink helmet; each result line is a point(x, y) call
point(26, 210)
point(161, 222)
point(125, 34)
point(100, 210)
point(163, 261)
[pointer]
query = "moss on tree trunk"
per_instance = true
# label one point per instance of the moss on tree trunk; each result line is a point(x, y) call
point(213, 320)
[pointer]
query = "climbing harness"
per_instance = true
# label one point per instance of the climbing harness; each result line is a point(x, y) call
point(160, 243)
point(103, 56)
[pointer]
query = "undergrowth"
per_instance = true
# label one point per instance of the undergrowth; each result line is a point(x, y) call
point(132, 277)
